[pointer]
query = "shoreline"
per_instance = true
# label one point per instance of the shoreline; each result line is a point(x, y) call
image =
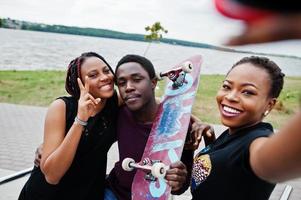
point(167, 41)
point(30, 50)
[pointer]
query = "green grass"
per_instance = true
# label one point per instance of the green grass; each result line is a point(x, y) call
point(40, 88)
point(31, 87)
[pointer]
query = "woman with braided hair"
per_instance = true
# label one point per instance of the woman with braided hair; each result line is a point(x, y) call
point(79, 130)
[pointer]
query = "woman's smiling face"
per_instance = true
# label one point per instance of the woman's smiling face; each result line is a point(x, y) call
point(101, 79)
point(244, 96)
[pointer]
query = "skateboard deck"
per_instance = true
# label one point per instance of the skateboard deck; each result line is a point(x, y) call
point(167, 137)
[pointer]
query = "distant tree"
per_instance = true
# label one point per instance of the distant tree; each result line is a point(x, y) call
point(0, 22)
point(24, 26)
point(156, 30)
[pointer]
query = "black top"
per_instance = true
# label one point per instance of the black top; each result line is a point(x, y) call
point(86, 176)
point(222, 169)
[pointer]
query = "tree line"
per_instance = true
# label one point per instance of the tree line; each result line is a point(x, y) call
point(95, 32)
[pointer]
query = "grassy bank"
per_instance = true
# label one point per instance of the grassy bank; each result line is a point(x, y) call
point(42, 87)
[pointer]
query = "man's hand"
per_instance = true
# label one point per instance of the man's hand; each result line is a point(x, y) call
point(176, 175)
point(38, 155)
point(199, 130)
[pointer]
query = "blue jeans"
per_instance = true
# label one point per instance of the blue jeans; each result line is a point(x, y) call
point(109, 195)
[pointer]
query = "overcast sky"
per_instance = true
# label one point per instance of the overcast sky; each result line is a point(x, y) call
point(194, 20)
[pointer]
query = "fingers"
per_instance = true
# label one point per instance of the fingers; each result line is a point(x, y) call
point(37, 162)
point(38, 156)
point(177, 165)
point(176, 176)
point(198, 130)
point(210, 132)
point(91, 99)
point(256, 32)
point(209, 137)
point(87, 104)
point(175, 185)
point(87, 84)
point(80, 84)
point(90, 102)
point(84, 92)
point(84, 88)
point(265, 30)
point(251, 36)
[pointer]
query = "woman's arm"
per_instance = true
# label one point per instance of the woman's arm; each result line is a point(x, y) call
point(58, 150)
point(278, 158)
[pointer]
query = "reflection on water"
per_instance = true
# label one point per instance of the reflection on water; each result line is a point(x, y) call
point(37, 50)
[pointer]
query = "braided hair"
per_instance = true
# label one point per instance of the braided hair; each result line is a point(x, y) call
point(273, 70)
point(74, 72)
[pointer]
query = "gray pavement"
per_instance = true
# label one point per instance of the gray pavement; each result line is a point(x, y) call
point(21, 131)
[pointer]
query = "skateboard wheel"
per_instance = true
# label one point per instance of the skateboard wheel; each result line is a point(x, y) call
point(126, 164)
point(158, 170)
point(187, 67)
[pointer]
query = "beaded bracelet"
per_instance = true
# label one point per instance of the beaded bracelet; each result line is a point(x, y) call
point(80, 122)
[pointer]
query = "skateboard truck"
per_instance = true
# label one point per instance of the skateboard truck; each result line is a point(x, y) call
point(178, 75)
point(154, 168)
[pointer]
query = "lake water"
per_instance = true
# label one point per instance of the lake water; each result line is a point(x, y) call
point(29, 50)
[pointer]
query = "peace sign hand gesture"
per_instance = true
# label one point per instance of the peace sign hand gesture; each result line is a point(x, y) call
point(86, 103)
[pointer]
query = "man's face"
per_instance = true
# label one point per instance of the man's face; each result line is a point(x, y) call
point(135, 86)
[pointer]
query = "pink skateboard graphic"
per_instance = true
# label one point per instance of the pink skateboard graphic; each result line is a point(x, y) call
point(167, 137)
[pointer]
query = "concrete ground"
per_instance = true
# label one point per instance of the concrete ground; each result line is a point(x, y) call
point(21, 131)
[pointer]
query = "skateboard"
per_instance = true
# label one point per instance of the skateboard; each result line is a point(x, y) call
point(167, 137)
